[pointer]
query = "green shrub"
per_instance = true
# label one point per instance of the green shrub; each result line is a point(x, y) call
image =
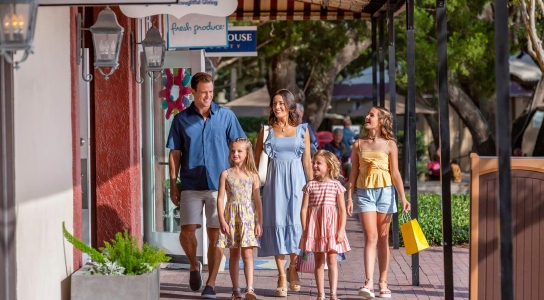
point(125, 251)
point(430, 218)
point(122, 256)
point(252, 136)
point(252, 124)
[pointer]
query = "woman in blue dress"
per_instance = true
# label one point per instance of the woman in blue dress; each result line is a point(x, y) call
point(288, 146)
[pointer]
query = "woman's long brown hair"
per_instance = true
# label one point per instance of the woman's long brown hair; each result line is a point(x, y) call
point(386, 120)
point(290, 104)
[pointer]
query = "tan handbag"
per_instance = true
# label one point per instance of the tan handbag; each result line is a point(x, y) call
point(263, 160)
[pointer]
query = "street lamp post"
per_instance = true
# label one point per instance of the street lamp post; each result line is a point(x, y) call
point(18, 19)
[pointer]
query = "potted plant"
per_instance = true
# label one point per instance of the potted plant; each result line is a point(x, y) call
point(120, 270)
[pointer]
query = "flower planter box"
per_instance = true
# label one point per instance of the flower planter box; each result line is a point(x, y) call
point(100, 287)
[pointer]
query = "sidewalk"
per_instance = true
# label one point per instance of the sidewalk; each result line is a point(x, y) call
point(175, 283)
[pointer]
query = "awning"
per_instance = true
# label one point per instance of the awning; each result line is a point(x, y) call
point(400, 100)
point(265, 10)
point(255, 104)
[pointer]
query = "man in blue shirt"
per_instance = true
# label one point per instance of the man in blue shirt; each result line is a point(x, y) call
point(199, 141)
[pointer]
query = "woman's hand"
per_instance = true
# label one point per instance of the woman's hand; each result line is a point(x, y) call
point(349, 207)
point(258, 230)
point(224, 227)
point(405, 205)
point(340, 237)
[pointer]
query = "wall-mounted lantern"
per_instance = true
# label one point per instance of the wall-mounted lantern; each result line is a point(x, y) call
point(107, 36)
point(18, 19)
point(154, 51)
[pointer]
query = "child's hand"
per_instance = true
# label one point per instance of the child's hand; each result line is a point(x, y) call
point(258, 230)
point(340, 237)
point(349, 208)
point(405, 206)
point(224, 227)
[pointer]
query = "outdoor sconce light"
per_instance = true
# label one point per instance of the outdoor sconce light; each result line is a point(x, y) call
point(107, 36)
point(18, 19)
point(154, 51)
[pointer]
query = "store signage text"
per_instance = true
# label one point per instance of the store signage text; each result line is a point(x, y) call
point(242, 42)
point(197, 31)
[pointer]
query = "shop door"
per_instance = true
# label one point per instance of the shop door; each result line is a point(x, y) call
point(161, 217)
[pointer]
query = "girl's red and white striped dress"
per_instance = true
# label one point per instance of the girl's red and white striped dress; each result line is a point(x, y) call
point(322, 220)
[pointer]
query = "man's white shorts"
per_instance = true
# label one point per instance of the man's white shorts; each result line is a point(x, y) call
point(191, 204)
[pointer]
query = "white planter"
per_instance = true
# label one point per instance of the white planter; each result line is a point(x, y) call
point(100, 287)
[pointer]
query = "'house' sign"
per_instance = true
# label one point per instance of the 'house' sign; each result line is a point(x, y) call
point(197, 31)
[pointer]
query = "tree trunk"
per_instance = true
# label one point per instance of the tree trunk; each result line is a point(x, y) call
point(488, 107)
point(432, 120)
point(282, 73)
point(482, 137)
point(539, 103)
point(539, 144)
point(518, 128)
point(321, 84)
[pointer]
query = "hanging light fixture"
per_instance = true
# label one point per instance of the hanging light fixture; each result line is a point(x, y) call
point(18, 19)
point(154, 51)
point(107, 36)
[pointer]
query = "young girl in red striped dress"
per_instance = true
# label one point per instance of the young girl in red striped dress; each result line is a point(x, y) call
point(323, 217)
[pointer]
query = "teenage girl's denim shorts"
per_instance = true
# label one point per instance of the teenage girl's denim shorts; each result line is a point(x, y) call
point(381, 200)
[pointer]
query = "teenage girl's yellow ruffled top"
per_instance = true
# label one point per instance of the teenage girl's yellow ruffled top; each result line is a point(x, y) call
point(373, 169)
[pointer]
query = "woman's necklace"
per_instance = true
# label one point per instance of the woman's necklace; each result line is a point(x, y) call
point(282, 127)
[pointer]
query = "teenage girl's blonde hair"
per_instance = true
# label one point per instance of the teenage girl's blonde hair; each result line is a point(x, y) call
point(332, 162)
point(249, 163)
point(385, 118)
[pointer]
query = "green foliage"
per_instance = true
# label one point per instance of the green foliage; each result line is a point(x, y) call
point(470, 47)
point(252, 124)
point(125, 251)
point(421, 151)
point(121, 255)
point(81, 246)
point(252, 136)
point(430, 218)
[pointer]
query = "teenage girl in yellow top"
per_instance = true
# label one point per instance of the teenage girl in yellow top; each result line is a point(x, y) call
point(375, 171)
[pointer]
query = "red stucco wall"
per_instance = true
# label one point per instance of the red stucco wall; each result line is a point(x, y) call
point(117, 144)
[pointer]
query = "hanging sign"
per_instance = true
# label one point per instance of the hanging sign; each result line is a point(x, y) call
point(218, 8)
point(197, 31)
point(242, 42)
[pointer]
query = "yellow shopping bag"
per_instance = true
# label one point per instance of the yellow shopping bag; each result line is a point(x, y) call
point(414, 239)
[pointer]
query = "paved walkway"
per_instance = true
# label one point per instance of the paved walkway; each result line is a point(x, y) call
point(175, 283)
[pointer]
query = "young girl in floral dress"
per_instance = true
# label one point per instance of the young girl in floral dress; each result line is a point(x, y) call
point(241, 217)
point(323, 218)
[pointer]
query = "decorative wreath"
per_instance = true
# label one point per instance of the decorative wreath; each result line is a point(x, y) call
point(181, 78)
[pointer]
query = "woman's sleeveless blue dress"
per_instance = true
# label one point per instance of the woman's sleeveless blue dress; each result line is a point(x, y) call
point(282, 194)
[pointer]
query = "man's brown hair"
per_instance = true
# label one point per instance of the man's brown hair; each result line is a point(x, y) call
point(200, 77)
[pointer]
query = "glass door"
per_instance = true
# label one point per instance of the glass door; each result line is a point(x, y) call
point(161, 100)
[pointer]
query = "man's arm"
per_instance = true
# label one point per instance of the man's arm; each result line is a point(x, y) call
point(174, 160)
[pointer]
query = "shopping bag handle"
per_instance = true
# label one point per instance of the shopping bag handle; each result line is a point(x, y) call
point(405, 217)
